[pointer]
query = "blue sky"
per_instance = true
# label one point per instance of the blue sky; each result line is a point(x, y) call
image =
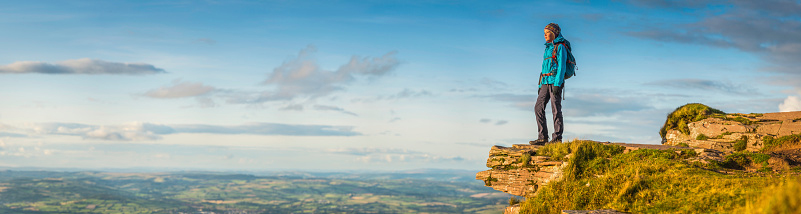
point(366, 85)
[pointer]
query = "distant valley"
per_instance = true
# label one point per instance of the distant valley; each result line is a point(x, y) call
point(424, 191)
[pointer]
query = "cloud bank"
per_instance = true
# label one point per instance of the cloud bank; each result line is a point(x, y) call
point(138, 131)
point(81, 66)
point(766, 28)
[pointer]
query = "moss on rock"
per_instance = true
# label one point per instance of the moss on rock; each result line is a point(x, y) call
point(692, 112)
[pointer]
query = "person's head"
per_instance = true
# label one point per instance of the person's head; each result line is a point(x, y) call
point(551, 31)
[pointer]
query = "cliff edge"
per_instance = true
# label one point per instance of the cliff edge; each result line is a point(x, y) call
point(518, 170)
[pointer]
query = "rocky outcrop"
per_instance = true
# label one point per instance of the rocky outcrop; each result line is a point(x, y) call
point(514, 209)
point(518, 170)
point(736, 132)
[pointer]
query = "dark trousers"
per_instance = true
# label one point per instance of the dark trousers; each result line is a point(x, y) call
point(554, 93)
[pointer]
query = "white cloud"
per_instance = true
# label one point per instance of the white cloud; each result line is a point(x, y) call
point(497, 123)
point(138, 131)
point(128, 132)
point(373, 66)
point(180, 89)
point(268, 129)
point(81, 66)
point(706, 85)
point(303, 77)
point(334, 108)
point(792, 103)
point(406, 93)
point(135, 131)
point(292, 107)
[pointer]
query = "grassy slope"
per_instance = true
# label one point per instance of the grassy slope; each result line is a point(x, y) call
point(652, 181)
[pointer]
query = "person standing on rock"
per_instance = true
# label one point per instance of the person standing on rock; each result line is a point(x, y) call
point(551, 81)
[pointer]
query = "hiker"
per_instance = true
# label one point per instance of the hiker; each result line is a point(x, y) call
point(551, 82)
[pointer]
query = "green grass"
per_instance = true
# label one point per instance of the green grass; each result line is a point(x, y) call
point(525, 159)
point(740, 144)
point(769, 142)
point(778, 198)
point(679, 118)
point(701, 137)
point(645, 181)
point(742, 120)
point(513, 200)
point(720, 136)
point(741, 160)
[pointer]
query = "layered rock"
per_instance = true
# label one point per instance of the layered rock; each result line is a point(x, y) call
point(725, 133)
point(514, 209)
point(518, 170)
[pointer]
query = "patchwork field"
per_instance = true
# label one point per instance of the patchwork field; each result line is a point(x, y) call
point(104, 192)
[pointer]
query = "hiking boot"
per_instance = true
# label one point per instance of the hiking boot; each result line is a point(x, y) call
point(557, 140)
point(538, 142)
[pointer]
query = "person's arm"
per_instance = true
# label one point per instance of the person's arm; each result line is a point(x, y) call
point(561, 58)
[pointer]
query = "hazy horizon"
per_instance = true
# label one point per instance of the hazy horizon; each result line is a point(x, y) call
point(366, 85)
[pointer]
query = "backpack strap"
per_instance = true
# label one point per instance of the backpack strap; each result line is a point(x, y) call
point(553, 54)
point(553, 59)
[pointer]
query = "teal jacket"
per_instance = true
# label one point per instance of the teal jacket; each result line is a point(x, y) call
point(549, 66)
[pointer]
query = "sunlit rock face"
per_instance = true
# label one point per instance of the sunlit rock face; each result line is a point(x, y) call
point(514, 174)
point(723, 134)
